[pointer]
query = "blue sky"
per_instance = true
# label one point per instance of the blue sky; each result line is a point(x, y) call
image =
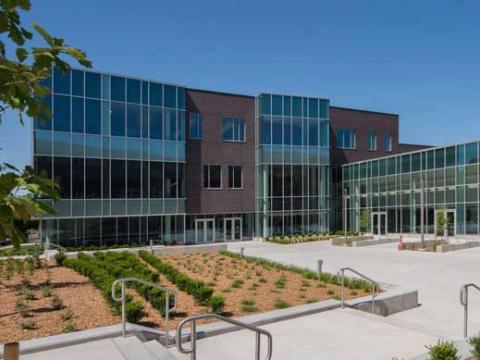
point(419, 59)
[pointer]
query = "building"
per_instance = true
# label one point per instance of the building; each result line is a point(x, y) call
point(139, 160)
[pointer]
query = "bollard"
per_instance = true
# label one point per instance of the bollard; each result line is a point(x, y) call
point(320, 264)
point(11, 351)
point(151, 246)
point(242, 249)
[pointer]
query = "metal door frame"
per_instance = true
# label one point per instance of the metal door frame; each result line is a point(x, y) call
point(231, 220)
point(205, 229)
point(379, 214)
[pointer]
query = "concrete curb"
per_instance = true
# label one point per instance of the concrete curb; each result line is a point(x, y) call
point(457, 246)
point(340, 241)
point(375, 242)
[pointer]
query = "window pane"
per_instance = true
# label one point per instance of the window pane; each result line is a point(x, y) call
point(439, 158)
point(117, 178)
point(215, 176)
point(170, 96)
point(117, 117)
point(117, 88)
point(133, 120)
point(313, 132)
point(297, 131)
point(92, 116)
point(106, 178)
point(133, 91)
point(156, 123)
point(297, 106)
point(133, 179)
point(181, 98)
point(93, 178)
point(77, 82)
point(61, 174)
point(266, 130)
point(170, 180)
point(170, 125)
point(61, 113)
point(277, 130)
point(227, 129)
point(471, 155)
point(77, 114)
point(195, 130)
point(313, 108)
point(156, 94)
point(276, 105)
point(156, 179)
point(92, 85)
point(61, 81)
point(450, 157)
point(77, 178)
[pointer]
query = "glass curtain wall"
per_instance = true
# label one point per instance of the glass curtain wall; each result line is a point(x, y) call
point(392, 185)
point(292, 165)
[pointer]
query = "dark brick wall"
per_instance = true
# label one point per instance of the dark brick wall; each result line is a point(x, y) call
point(363, 122)
point(213, 151)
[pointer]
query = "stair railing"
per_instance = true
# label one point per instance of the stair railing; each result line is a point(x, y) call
point(464, 302)
point(375, 285)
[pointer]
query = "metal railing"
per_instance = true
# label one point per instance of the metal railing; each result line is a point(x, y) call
point(464, 302)
point(193, 335)
point(375, 285)
point(167, 302)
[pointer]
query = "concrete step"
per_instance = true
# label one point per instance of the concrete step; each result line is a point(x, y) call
point(163, 353)
point(132, 348)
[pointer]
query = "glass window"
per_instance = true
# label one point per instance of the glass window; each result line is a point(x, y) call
point(195, 128)
point(61, 175)
point(61, 81)
point(181, 98)
point(133, 179)
point(93, 178)
point(77, 82)
point(296, 131)
point(324, 106)
point(313, 108)
point(212, 177)
point(61, 113)
point(117, 179)
point(324, 133)
point(387, 142)
point(156, 123)
point(156, 179)
point(313, 132)
point(156, 94)
point(93, 111)
point(439, 158)
point(233, 129)
point(296, 106)
point(471, 153)
point(416, 165)
point(450, 156)
point(117, 116)
point(106, 178)
point(78, 178)
point(372, 140)
point(234, 177)
point(461, 154)
point(170, 96)
point(346, 138)
point(133, 120)
point(133, 91)
point(46, 122)
point(265, 106)
point(93, 82)
point(276, 105)
point(170, 180)
point(277, 133)
point(287, 130)
point(117, 88)
point(170, 124)
point(77, 114)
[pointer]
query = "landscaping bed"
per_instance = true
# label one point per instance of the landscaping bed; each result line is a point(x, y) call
point(298, 239)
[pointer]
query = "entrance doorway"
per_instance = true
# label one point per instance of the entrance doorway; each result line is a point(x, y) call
point(451, 222)
point(379, 223)
point(204, 230)
point(233, 229)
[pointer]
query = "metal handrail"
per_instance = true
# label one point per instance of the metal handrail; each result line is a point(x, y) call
point(375, 285)
point(464, 302)
point(193, 337)
point(167, 301)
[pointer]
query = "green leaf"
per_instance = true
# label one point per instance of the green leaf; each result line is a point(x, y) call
point(22, 54)
point(44, 34)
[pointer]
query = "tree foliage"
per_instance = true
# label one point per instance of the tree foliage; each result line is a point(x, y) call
point(23, 68)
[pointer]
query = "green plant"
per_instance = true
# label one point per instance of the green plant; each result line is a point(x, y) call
point(27, 293)
point(56, 303)
point(262, 280)
point(67, 315)
point(443, 350)
point(311, 301)
point(217, 304)
point(69, 327)
point(60, 257)
point(237, 284)
point(47, 291)
point(281, 304)
point(227, 290)
point(22, 307)
point(474, 341)
point(353, 293)
point(134, 311)
point(29, 325)
point(280, 283)
point(330, 292)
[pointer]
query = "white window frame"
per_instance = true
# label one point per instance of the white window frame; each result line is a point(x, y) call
point(208, 182)
point(233, 180)
point(235, 137)
point(374, 142)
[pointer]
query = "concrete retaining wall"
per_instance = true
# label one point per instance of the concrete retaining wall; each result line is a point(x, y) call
point(388, 303)
point(340, 241)
point(375, 242)
point(457, 246)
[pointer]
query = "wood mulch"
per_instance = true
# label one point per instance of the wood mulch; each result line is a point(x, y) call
point(258, 288)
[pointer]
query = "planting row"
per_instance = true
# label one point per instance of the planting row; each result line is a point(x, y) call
point(296, 239)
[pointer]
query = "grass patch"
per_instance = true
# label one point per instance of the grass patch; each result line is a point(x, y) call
point(281, 304)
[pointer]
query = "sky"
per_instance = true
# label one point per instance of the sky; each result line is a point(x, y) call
point(418, 59)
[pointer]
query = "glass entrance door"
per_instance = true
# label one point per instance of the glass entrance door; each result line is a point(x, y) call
point(204, 230)
point(379, 223)
point(233, 229)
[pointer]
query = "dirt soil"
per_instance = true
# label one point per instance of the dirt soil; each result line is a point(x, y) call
point(250, 288)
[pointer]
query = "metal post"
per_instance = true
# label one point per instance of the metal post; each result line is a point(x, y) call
point(123, 310)
point(345, 213)
point(193, 356)
point(257, 346)
point(167, 318)
point(422, 211)
point(320, 264)
point(465, 312)
point(151, 246)
point(342, 291)
point(11, 351)
point(242, 250)
point(373, 298)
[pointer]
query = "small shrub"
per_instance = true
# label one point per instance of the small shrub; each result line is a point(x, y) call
point(280, 283)
point(47, 291)
point(321, 285)
point(22, 307)
point(56, 303)
point(227, 290)
point(69, 327)
point(311, 301)
point(262, 280)
point(281, 304)
point(60, 257)
point(443, 350)
point(249, 308)
point(134, 311)
point(305, 283)
point(237, 284)
point(474, 341)
point(330, 292)
point(217, 304)
point(248, 302)
point(353, 293)
point(67, 315)
point(29, 325)
point(27, 293)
